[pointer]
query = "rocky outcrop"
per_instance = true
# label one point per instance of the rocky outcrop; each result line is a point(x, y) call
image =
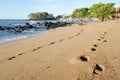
point(1, 28)
point(47, 25)
point(50, 25)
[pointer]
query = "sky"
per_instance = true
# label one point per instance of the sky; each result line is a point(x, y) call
point(19, 9)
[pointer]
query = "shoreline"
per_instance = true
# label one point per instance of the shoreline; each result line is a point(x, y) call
point(64, 53)
point(24, 29)
point(24, 37)
point(35, 38)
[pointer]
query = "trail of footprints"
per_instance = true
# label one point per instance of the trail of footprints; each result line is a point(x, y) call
point(98, 67)
point(94, 47)
point(52, 43)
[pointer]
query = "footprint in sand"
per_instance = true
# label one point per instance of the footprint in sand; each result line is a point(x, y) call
point(105, 32)
point(48, 67)
point(102, 37)
point(51, 43)
point(71, 37)
point(99, 39)
point(37, 48)
point(93, 49)
point(78, 34)
point(21, 54)
point(40, 47)
point(11, 58)
point(79, 59)
point(61, 40)
point(84, 58)
point(105, 41)
point(98, 69)
point(34, 49)
point(95, 45)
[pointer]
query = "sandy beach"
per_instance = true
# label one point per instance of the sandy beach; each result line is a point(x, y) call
point(88, 52)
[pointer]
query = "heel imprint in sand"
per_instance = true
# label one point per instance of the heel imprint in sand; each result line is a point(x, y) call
point(84, 58)
point(93, 49)
point(99, 68)
point(105, 41)
point(99, 39)
point(102, 37)
point(105, 32)
point(95, 45)
point(48, 67)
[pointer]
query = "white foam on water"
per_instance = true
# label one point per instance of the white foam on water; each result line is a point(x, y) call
point(14, 37)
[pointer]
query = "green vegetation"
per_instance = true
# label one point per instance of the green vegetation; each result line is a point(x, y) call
point(101, 11)
point(59, 16)
point(41, 16)
point(80, 13)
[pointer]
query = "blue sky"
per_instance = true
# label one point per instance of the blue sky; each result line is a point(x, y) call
point(19, 9)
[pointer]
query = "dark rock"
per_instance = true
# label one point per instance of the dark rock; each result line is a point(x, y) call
point(1, 28)
point(38, 24)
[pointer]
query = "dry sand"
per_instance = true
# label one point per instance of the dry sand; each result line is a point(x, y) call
point(89, 52)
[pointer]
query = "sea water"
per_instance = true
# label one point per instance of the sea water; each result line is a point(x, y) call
point(7, 35)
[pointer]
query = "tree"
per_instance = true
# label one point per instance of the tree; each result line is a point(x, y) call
point(32, 16)
point(59, 16)
point(40, 16)
point(67, 16)
point(80, 13)
point(102, 11)
point(50, 16)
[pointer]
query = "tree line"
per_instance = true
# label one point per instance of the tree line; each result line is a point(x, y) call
point(102, 11)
